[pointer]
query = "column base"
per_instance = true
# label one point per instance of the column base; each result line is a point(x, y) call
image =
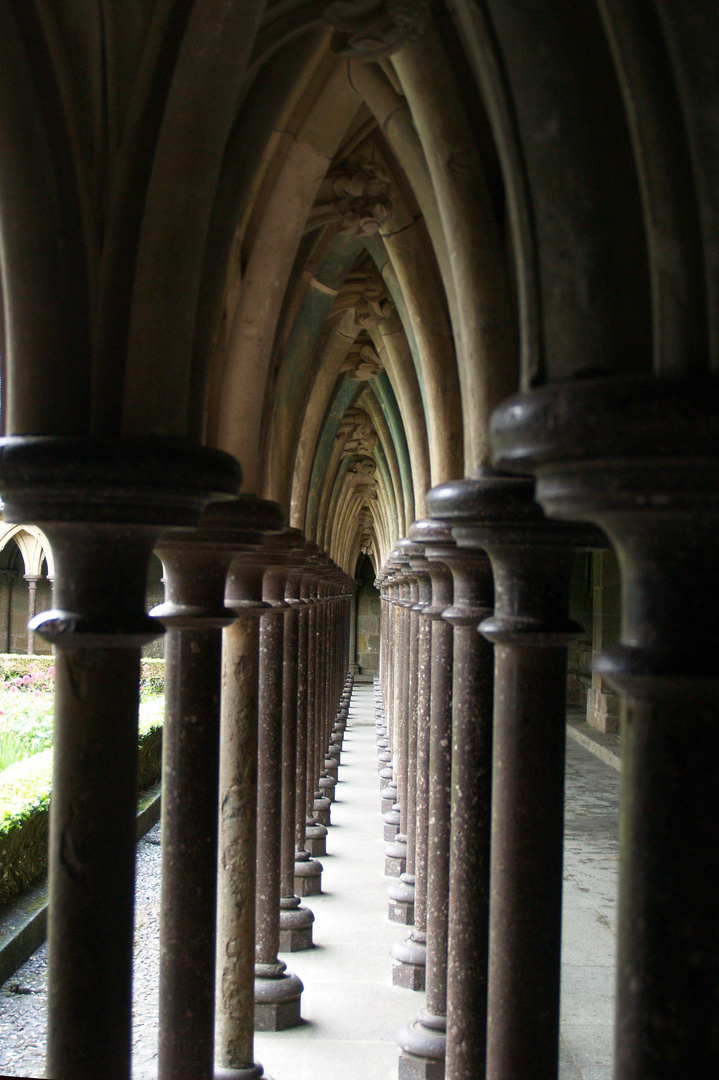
point(395, 862)
point(388, 798)
point(391, 825)
point(401, 901)
point(308, 878)
point(331, 766)
point(423, 1046)
point(321, 810)
point(315, 838)
point(278, 1003)
point(295, 925)
point(327, 787)
point(409, 963)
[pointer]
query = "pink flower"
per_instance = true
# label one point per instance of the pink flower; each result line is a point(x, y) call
point(51, 672)
point(26, 679)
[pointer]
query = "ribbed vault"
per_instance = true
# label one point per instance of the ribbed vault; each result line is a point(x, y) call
point(339, 373)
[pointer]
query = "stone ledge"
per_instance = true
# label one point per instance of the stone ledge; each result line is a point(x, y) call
point(602, 746)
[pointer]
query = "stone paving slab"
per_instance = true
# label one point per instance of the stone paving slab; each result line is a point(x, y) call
point(350, 1007)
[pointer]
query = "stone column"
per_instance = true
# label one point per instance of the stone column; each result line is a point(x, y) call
point(7, 577)
point(277, 992)
point(472, 709)
point(195, 567)
point(409, 956)
point(395, 862)
point(235, 977)
point(423, 1042)
point(388, 790)
point(32, 580)
point(309, 835)
point(532, 564)
point(320, 802)
point(639, 457)
point(353, 665)
point(101, 503)
point(402, 893)
point(315, 831)
point(295, 920)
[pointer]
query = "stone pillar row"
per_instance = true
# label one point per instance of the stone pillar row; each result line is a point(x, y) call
point(476, 738)
point(242, 593)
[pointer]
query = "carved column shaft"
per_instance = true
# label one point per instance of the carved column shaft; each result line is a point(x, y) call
point(295, 920)
point(237, 848)
point(277, 993)
point(92, 823)
point(423, 1043)
point(409, 956)
point(468, 926)
point(402, 894)
point(235, 977)
point(194, 572)
point(32, 581)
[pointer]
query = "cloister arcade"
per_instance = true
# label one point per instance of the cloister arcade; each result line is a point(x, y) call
point(420, 290)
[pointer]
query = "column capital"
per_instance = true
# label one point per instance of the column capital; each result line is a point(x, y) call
point(640, 457)
point(529, 553)
point(157, 482)
point(437, 543)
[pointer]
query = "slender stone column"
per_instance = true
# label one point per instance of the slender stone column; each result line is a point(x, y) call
point(409, 956)
point(640, 458)
point(320, 803)
point(469, 862)
point(402, 893)
point(101, 503)
point(32, 580)
point(195, 567)
point(307, 871)
point(315, 831)
point(277, 992)
point(423, 1042)
point(388, 790)
point(395, 862)
point(532, 562)
point(235, 980)
point(295, 920)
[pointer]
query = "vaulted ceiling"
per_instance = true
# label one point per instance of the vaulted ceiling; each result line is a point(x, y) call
point(330, 236)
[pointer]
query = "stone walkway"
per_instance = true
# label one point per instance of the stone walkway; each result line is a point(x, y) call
point(350, 1008)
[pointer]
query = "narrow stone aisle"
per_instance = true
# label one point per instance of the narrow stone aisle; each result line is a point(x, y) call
point(350, 1008)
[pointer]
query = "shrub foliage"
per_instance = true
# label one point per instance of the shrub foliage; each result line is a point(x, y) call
point(26, 785)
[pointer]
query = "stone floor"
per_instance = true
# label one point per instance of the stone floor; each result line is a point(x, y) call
point(350, 1008)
